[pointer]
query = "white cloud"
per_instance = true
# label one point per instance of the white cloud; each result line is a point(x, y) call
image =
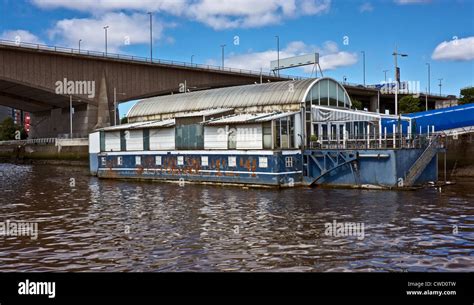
point(456, 49)
point(21, 36)
point(216, 14)
point(330, 57)
point(101, 6)
point(366, 7)
point(123, 30)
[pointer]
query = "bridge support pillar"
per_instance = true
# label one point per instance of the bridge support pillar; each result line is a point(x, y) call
point(103, 110)
point(373, 104)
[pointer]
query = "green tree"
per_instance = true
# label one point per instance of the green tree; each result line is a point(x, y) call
point(409, 104)
point(356, 104)
point(124, 120)
point(8, 130)
point(467, 96)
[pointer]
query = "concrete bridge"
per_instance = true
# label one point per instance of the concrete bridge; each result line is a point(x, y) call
point(32, 78)
point(41, 79)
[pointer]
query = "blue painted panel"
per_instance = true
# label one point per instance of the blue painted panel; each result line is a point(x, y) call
point(378, 171)
point(442, 119)
point(247, 169)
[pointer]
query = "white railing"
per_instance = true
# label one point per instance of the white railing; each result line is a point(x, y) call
point(373, 141)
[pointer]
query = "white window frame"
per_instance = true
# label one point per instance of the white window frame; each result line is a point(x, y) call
point(204, 161)
point(119, 160)
point(158, 160)
point(263, 162)
point(103, 161)
point(180, 160)
point(138, 160)
point(288, 161)
point(232, 161)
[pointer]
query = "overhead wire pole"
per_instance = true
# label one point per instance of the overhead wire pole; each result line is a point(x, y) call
point(363, 54)
point(440, 85)
point(385, 73)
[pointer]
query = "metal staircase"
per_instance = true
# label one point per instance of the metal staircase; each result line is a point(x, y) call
point(422, 162)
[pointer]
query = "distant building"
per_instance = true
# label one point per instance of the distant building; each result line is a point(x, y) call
point(19, 117)
point(5, 112)
point(452, 101)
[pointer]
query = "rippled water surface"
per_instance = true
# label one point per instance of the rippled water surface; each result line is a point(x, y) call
point(108, 225)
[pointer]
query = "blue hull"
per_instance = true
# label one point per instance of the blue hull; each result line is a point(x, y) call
point(383, 168)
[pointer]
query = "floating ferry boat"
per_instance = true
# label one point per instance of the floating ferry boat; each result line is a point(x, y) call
point(281, 134)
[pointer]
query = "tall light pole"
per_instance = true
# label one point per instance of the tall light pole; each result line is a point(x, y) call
point(151, 36)
point(105, 28)
point(429, 77)
point(278, 53)
point(440, 85)
point(426, 99)
point(71, 110)
point(385, 72)
point(115, 105)
point(395, 55)
point(222, 47)
point(80, 45)
point(363, 53)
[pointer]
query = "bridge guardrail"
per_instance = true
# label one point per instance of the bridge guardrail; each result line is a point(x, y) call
point(139, 59)
point(29, 141)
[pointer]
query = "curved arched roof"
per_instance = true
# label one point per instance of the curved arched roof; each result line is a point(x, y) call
point(275, 93)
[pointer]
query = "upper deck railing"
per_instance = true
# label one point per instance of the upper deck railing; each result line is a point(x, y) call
point(374, 141)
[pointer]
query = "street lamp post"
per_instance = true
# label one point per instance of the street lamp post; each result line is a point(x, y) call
point(278, 54)
point(429, 77)
point(80, 45)
point(395, 55)
point(70, 116)
point(385, 73)
point(440, 85)
point(223, 46)
point(363, 53)
point(105, 28)
point(428, 91)
point(115, 104)
point(151, 36)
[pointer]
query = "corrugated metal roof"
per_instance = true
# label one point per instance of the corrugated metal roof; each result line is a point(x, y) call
point(138, 125)
point(275, 116)
point(249, 118)
point(123, 126)
point(204, 112)
point(237, 118)
point(164, 123)
point(276, 93)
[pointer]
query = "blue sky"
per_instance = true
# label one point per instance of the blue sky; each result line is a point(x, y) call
point(440, 32)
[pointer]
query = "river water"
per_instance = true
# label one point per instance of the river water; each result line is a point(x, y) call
point(87, 224)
